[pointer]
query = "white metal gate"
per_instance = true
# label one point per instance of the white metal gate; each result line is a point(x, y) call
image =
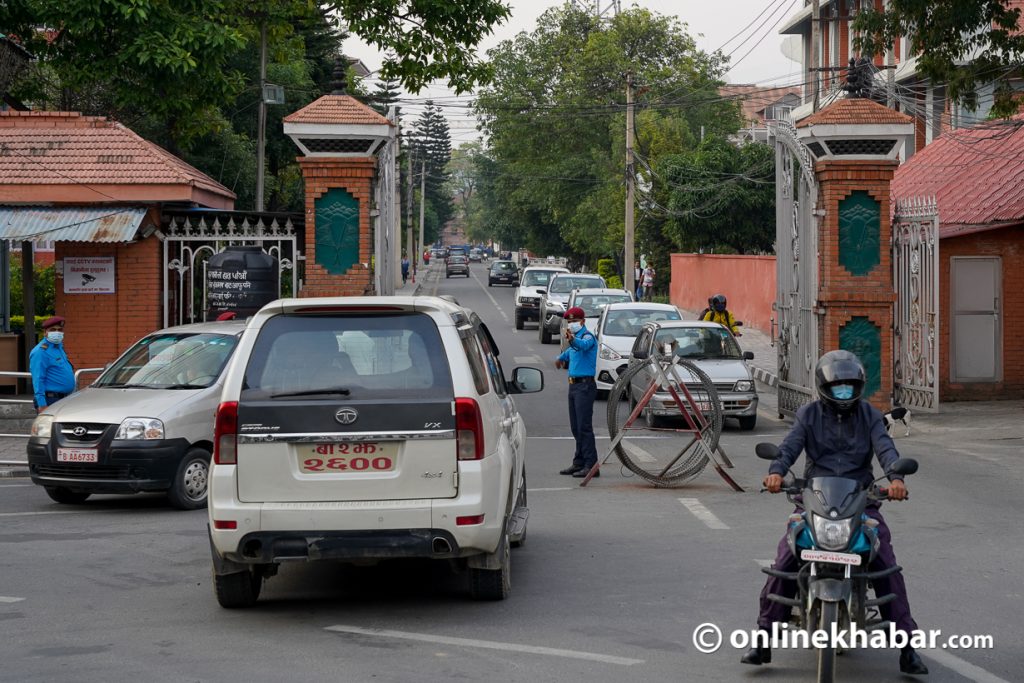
point(796, 248)
point(192, 237)
point(915, 262)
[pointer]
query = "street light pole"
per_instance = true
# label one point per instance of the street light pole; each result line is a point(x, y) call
point(627, 262)
point(262, 125)
point(423, 203)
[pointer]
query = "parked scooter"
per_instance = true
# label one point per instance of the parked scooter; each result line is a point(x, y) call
point(835, 543)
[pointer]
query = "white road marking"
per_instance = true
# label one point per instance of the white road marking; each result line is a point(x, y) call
point(4, 598)
point(528, 359)
point(637, 452)
point(964, 668)
point(602, 436)
point(34, 514)
point(703, 514)
point(556, 488)
point(485, 644)
point(15, 486)
point(493, 300)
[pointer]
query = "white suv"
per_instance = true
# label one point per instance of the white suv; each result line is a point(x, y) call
point(367, 428)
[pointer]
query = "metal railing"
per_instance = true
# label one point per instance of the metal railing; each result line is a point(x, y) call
point(28, 375)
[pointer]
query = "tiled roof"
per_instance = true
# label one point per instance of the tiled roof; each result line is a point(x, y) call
point(65, 148)
point(754, 99)
point(975, 174)
point(337, 109)
point(855, 110)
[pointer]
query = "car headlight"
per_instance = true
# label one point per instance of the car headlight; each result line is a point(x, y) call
point(832, 534)
point(140, 428)
point(608, 353)
point(557, 305)
point(744, 385)
point(42, 426)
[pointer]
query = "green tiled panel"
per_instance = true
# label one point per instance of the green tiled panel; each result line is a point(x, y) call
point(337, 231)
point(860, 229)
point(864, 338)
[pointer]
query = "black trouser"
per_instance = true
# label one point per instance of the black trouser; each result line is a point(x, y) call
point(51, 398)
point(581, 421)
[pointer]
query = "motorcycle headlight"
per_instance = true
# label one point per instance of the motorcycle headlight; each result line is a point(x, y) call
point(832, 534)
point(744, 385)
point(42, 426)
point(140, 428)
point(608, 353)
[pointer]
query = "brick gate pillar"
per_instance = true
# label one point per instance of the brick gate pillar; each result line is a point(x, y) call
point(856, 143)
point(338, 136)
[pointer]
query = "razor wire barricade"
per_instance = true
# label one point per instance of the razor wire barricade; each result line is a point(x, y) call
point(652, 450)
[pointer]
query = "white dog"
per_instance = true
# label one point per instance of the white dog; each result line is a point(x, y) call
point(898, 414)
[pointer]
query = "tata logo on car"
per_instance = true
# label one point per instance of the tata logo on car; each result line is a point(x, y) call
point(347, 416)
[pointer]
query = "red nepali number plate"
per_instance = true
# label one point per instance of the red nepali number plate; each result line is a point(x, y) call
point(358, 456)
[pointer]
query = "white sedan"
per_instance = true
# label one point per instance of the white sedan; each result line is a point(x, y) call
point(616, 331)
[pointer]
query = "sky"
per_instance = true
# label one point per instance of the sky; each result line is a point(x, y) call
point(756, 53)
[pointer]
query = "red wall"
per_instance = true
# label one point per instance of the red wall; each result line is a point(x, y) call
point(748, 282)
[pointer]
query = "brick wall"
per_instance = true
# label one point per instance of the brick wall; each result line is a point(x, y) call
point(842, 295)
point(101, 326)
point(321, 174)
point(1008, 244)
point(748, 283)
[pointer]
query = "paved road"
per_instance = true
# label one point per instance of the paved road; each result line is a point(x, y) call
point(609, 587)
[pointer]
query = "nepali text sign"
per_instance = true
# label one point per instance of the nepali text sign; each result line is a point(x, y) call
point(94, 275)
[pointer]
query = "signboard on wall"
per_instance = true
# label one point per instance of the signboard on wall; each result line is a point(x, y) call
point(89, 275)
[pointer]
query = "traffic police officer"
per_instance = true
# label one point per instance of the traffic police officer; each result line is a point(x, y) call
point(53, 377)
point(581, 359)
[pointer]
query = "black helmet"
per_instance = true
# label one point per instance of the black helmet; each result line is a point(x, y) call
point(839, 367)
point(718, 302)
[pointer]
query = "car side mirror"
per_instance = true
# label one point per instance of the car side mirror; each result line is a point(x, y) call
point(748, 355)
point(766, 451)
point(903, 466)
point(526, 381)
point(542, 291)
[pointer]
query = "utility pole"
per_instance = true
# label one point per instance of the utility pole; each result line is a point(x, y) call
point(627, 258)
point(408, 208)
point(816, 52)
point(423, 203)
point(262, 125)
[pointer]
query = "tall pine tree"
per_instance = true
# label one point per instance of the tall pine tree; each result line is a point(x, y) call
point(431, 141)
point(384, 95)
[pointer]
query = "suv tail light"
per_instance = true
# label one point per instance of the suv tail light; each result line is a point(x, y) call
point(225, 434)
point(469, 429)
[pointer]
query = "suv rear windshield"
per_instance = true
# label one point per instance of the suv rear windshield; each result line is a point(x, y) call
point(356, 356)
point(171, 361)
point(567, 283)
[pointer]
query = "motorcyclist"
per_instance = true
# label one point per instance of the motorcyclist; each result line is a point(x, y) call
point(718, 313)
point(840, 433)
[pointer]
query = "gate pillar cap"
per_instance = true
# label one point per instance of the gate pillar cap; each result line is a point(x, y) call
point(856, 129)
point(338, 126)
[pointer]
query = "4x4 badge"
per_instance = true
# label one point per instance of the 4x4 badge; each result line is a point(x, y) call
point(346, 416)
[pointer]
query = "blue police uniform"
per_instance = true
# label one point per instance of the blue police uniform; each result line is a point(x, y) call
point(581, 355)
point(53, 376)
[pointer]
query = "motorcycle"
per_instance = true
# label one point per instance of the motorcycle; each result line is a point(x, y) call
point(835, 542)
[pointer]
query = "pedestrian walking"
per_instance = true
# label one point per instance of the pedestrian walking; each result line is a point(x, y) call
point(648, 282)
point(638, 279)
point(53, 376)
point(405, 268)
point(580, 357)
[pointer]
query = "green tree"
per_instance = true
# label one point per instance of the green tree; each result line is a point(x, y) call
point(44, 289)
point(720, 197)
point(431, 143)
point(384, 95)
point(963, 44)
point(555, 121)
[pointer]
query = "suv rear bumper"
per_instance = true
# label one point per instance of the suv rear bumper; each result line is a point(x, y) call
point(266, 547)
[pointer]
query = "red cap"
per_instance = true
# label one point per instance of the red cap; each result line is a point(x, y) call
point(575, 313)
point(53, 321)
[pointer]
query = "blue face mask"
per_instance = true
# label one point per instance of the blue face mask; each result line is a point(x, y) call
point(55, 337)
point(842, 392)
point(575, 327)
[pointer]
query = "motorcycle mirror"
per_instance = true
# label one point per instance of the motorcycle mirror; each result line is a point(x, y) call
point(904, 466)
point(766, 451)
point(737, 323)
point(898, 413)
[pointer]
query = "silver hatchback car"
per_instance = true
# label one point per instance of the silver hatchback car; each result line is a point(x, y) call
point(145, 425)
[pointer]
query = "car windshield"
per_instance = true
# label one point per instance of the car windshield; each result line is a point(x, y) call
point(178, 361)
point(350, 356)
point(503, 265)
point(561, 285)
point(700, 343)
point(593, 304)
point(537, 278)
point(628, 323)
